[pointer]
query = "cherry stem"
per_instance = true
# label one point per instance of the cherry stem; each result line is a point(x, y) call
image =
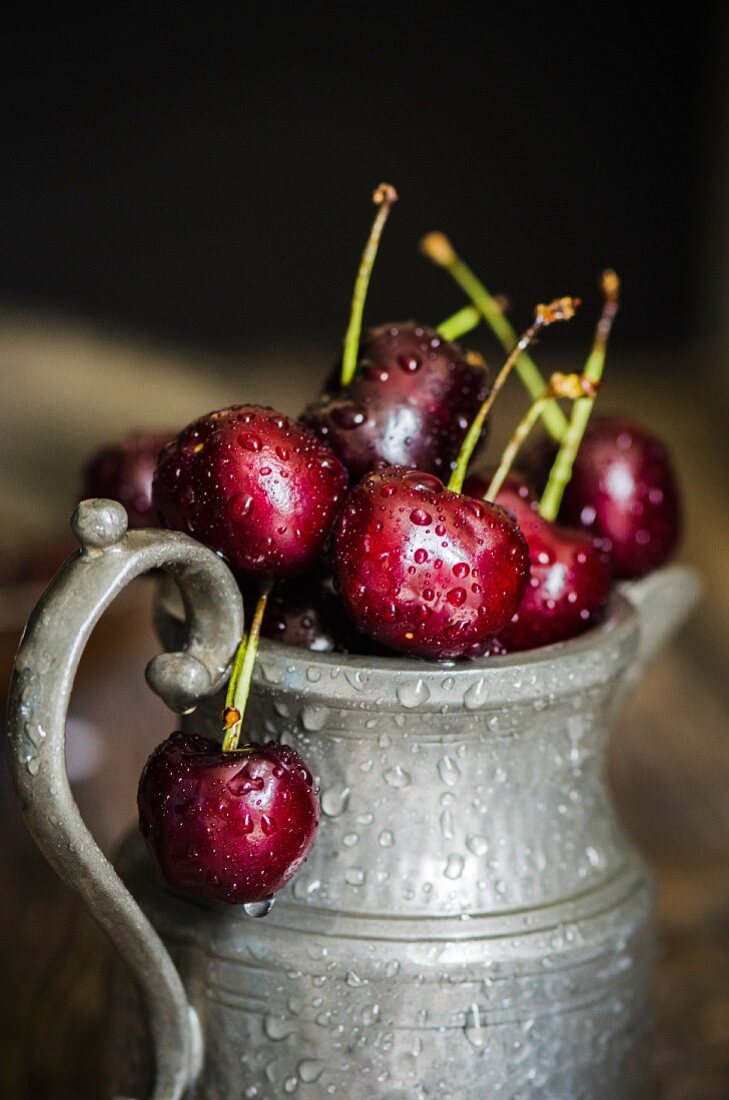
point(240, 678)
point(561, 309)
point(384, 197)
point(439, 249)
point(561, 471)
point(460, 323)
point(523, 428)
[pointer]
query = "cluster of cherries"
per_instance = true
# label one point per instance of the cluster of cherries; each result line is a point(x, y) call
point(345, 535)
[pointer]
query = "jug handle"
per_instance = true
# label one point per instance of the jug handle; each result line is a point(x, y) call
point(663, 598)
point(54, 639)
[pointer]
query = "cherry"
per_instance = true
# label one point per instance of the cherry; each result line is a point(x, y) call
point(227, 826)
point(123, 471)
point(570, 572)
point(254, 485)
point(426, 571)
point(307, 613)
point(410, 403)
point(623, 489)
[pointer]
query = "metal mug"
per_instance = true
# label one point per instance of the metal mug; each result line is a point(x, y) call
point(471, 922)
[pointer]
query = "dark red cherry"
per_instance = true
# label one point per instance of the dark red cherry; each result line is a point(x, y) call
point(425, 571)
point(254, 485)
point(307, 613)
point(231, 827)
point(623, 488)
point(570, 573)
point(123, 471)
point(410, 403)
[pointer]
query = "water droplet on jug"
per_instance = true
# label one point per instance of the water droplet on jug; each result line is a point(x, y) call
point(354, 980)
point(314, 718)
point(397, 777)
point(355, 876)
point(446, 824)
point(477, 844)
point(475, 696)
point(448, 770)
point(290, 1085)
point(414, 693)
point(309, 1070)
point(259, 908)
point(454, 866)
point(386, 839)
point(334, 801)
point(278, 1028)
point(474, 1030)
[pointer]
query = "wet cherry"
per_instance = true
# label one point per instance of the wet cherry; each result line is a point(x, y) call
point(623, 488)
point(570, 573)
point(426, 571)
point(254, 485)
point(307, 613)
point(232, 827)
point(123, 471)
point(410, 402)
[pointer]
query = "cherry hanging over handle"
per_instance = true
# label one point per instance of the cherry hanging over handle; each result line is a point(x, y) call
point(45, 668)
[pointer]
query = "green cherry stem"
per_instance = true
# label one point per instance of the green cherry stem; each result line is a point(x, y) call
point(460, 323)
point(561, 309)
point(242, 673)
point(439, 249)
point(560, 385)
point(561, 470)
point(523, 428)
point(384, 197)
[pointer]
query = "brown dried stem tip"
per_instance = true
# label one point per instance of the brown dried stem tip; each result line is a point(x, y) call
point(438, 248)
point(561, 309)
point(572, 386)
point(385, 193)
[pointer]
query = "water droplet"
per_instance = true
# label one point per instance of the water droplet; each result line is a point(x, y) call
point(354, 980)
point(278, 1028)
point(290, 1085)
point(259, 908)
point(313, 675)
point(32, 764)
point(420, 517)
point(457, 596)
point(240, 505)
point(446, 824)
point(477, 844)
point(474, 1030)
point(454, 866)
point(448, 771)
point(397, 777)
point(414, 693)
point(350, 839)
point(370, 1014)
point(386, 839)
point(309, 1070)
point(475, 695)
point(314, 718)
point(355, 876)
point(334, 801)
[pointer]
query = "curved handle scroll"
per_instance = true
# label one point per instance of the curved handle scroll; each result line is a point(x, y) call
point(45, 667)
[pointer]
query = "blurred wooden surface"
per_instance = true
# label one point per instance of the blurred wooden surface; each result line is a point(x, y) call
point(669, 759)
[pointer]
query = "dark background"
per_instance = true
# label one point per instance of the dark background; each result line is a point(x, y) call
point(206, 177)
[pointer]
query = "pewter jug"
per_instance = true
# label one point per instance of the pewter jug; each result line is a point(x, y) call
point(471, 922)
